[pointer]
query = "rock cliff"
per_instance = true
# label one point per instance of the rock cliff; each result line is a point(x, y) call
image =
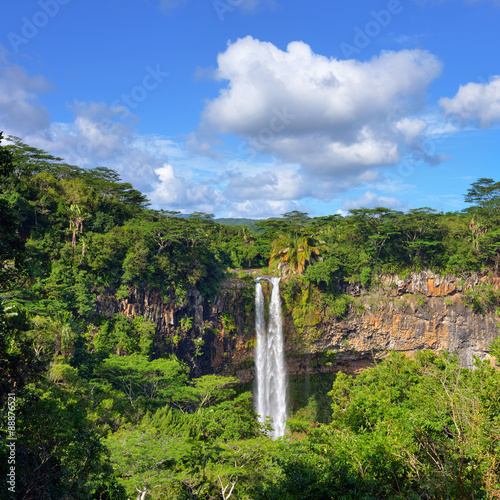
point(421, 311)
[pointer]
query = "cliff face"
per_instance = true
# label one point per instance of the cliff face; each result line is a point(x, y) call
point(423, 311)
point(202, 333)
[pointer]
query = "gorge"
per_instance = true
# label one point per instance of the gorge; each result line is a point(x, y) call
point(421, 311)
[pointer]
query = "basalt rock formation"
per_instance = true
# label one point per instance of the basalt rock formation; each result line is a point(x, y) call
point(420, 311)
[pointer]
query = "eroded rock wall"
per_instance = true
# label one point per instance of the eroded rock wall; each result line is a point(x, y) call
point(422, 311)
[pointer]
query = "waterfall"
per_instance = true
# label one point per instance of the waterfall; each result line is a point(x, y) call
point(270, 360)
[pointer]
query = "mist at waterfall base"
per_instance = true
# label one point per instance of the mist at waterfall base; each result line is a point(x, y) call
point(271, 398)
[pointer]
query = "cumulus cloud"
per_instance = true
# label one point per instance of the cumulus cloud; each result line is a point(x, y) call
point(262, 209)
point(99, 135)
point(311, 129)
point(277, 184)
point(475, 102)
point(372, 200)
point(411, 129)
point(332, 117)
point(178, 192)
point(20, 108)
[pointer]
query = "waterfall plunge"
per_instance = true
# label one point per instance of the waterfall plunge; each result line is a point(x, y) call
point(270, 360)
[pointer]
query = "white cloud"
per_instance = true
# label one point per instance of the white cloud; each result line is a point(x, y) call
point(327, 123)
point(177, 192)
point(277, 184)
point(322, 126)
point(475, 102)
point(100, 135)
point(411, 129)
point(372, 200)
point(20, 109)
point(262, 209)
point(333, 117)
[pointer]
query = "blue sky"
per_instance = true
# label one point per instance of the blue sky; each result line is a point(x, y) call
point(252, 108)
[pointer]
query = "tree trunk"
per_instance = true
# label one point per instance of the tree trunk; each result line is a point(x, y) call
point(141, 494)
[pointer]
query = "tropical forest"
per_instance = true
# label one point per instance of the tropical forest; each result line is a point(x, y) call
point(132, 363)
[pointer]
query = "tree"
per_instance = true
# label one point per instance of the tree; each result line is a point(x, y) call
point(292, 251)
point(30, 161)
point(484, 225)
point(108, 184)
point(143, 459)
point(6, 161)
point(375, 229)
point(12, 245)
point(423, 425)
point(485, 193)
point(205, 391)
point(145, 384)
point(421, 235)
point(58, 454)
point(76, 218)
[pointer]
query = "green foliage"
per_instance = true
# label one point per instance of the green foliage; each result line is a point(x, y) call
point(186, 323)
point(169, 451)
point(366, 275)
point(198, 344)
point(229, 322)
point(63, 374)
point(124, 336)
point(141, 459)
point(11, 243)
point(337, 304)
point(481, 298)
point(18, 361)
point(485, 193)
point(229, 420)
point(302, 301)
point(87, 386)
point(144, 384)
point(421, 427)
point(123, 292)
point(70, 289)
point(57, 452)
point(293, 250)
point(309, 401)
point(205, 391)
point(325, 271)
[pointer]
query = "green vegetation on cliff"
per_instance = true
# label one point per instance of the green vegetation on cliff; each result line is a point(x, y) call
point(102, 412)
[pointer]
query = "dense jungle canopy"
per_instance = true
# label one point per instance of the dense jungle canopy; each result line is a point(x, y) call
point(100, 414)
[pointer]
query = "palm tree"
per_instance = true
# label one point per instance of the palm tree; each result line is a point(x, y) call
point(292, 251)
point(76, 218)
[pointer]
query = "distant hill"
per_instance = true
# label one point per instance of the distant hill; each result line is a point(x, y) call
point(238, 222)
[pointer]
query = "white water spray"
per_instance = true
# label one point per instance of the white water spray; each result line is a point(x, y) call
point(270, 360)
